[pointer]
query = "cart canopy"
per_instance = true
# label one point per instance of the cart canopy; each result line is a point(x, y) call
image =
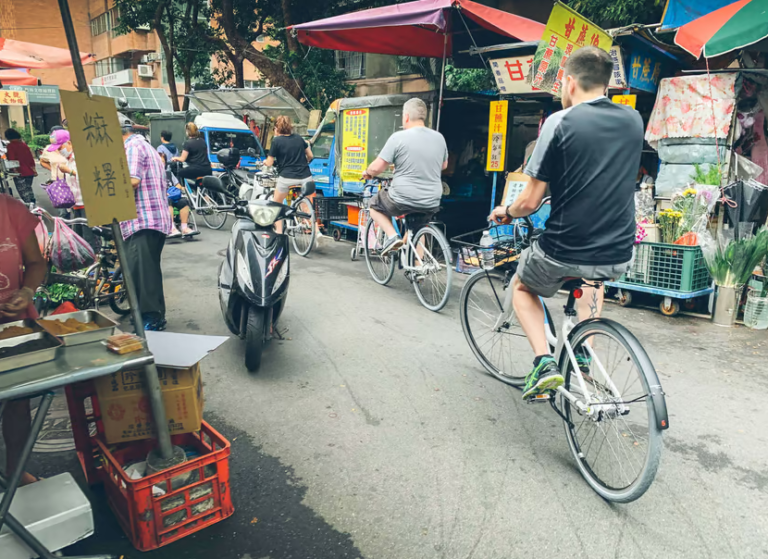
point(259, 103)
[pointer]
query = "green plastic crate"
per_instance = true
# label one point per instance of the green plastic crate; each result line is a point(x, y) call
point(674, 267)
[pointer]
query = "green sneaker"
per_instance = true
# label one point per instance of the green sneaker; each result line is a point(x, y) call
point(545, 377)
point(584, 361)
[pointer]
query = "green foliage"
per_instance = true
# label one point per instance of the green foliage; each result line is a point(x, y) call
point(140, 118)
point(618, 13)
point(321, 82)
point(713, 176)
point(35, 141)
point(732, 264)
point(469, 79)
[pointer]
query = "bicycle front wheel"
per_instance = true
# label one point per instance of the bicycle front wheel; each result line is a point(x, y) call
point(616, 440)
point(382, 268)
point(303, 229)
point(431, 268)
point(214, 219)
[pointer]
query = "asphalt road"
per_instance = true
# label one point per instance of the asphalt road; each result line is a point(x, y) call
point(372, 432)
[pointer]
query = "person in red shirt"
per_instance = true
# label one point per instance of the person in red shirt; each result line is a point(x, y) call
point(19, 151)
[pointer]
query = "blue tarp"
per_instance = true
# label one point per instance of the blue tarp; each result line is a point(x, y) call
point(680, 12)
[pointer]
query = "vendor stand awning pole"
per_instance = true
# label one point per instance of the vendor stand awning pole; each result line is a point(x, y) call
point(442, 80)
point(151, 379)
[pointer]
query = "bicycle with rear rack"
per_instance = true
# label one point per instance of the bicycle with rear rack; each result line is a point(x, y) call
point(425, 258)
point(101, 282)
point(612, 403)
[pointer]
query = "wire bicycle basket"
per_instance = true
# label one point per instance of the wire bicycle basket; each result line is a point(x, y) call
point(508, 242)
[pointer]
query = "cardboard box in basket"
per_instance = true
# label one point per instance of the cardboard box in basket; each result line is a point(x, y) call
point(126, 410)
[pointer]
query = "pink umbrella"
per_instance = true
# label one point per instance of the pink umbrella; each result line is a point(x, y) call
point(19, 54)
point(17, 77)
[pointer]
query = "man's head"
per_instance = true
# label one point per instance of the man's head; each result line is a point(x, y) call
point(12, 134)
point(127, 130)
point(414, 113)
point(166, 136)
point(587, 74)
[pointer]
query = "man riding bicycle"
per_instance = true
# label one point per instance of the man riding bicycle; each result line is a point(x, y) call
point(419, 155)
point(587, 155)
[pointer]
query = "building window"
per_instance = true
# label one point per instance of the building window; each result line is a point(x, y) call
point(254, 84)
point(114, 16)
point(110, 66)
point(405, 65)
point(101, 24)
point(351, 63)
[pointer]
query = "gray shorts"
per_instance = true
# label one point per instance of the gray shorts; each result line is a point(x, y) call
point(382, 202)
point(284, 185)
point(544, 275)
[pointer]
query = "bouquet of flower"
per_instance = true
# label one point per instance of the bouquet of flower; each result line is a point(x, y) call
point(694, 204)
point(669, 224)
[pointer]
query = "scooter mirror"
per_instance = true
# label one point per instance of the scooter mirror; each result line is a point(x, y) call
point(308, 188)
point(252, 152)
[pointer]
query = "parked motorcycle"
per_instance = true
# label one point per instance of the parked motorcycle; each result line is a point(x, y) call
point(233, 179)
point(254, 277)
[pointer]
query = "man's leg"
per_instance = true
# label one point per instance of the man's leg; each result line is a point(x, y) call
point(591, 303)
point(144, 250)
point(384, 222)
point(530, 314)
point(17, 425)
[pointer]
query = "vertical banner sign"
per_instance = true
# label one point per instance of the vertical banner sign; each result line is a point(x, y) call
point(102, 168)
point(628, 100)
point(619, 77)
point(354, 145)
point(565, 33)
point(497, 135)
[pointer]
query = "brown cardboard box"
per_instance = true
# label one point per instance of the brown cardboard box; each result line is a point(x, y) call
point(126, 411)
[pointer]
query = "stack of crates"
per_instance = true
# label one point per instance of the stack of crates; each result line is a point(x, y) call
point(670, 267)
point(158, 508)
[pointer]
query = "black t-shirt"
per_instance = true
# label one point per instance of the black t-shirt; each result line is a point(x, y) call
point(590, 154)
point(198, 152)
point(289, 152)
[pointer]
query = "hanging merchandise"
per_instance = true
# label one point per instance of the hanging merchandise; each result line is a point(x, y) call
point(69, 252)
point(747, 200)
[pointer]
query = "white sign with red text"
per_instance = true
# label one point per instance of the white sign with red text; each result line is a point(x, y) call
point(512, 74)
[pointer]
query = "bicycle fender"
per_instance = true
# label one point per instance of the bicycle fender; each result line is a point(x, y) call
point(658, 399)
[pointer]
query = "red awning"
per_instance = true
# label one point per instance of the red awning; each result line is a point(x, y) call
point(18, 54)
point(419, 28)
point(17, 77)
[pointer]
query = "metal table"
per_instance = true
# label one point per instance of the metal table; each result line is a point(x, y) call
point(72, 364)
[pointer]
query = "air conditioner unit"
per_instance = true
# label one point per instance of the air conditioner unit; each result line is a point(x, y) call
point(146, 71)
point(145, 59)
point(143, 27)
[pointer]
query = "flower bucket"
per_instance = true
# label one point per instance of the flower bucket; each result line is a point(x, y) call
point(726, 306)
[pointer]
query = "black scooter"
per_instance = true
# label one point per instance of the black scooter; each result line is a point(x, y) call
point(253, 279)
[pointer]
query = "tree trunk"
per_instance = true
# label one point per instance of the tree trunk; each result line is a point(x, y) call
point(187, 87)
point(168, 52)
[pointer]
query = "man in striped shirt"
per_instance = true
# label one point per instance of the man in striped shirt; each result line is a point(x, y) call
point(145, 235)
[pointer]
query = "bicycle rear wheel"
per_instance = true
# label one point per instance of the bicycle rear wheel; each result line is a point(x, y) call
point(118, 300)
point(496, 338)
point(617, 441)
point(432, 281)
point(214, 219)
point(303, 229)
point(382, 268)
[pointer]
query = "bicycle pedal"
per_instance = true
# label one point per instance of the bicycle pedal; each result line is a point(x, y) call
point(539, 398)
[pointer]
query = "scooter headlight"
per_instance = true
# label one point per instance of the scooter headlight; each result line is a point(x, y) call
point(281, 275)
point(243, 271)
point(264, 215)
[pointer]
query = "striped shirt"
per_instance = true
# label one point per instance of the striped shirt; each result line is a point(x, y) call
point(145, 164)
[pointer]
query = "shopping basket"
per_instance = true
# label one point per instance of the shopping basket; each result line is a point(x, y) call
point(508, 243)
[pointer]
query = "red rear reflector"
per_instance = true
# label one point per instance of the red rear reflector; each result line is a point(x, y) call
point(265, 235)
point(663, 422)
point(578, 292)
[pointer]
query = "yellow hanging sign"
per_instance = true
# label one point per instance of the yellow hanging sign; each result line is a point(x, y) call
point(628, 100)
point(497, 135)
point(97, 142)
point(354, 144)
point(9, 97)
point(566, 32)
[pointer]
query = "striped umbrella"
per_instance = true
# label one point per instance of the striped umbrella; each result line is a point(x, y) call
point(732, 27)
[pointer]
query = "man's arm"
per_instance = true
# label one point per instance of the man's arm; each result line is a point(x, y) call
point(132, 155)
point(376, 168)
point(527, 202)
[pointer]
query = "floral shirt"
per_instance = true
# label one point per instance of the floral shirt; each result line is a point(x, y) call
point(145, 164)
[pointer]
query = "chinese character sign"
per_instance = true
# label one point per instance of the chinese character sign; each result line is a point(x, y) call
point(565, 33)
point(8, 97)
point(513, 74)
point(497, 135)
point(645, 71)
point(618, 78)
point(354, 144)
point(628, 100)
point(102, 166)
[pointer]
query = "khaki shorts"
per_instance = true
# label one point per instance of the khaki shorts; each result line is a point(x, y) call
point(382, 202)
point(545, 276)
point(284, 185)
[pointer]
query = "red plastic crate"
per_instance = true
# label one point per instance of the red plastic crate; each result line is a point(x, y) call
point(85, 417)
point(197, 493)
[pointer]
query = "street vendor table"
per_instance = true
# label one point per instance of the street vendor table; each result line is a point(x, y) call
point(72, 364)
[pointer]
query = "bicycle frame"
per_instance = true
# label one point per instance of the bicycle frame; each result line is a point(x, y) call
point(410, 247)
point(196, 198)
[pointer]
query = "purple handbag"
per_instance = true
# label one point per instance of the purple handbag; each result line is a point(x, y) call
point(60, 194)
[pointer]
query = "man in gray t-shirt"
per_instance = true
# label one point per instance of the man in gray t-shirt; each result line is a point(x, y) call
point(419, 155)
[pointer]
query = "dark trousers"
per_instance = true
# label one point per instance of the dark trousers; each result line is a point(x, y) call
point(144, 250)
point(24, 186)
point(191, 172)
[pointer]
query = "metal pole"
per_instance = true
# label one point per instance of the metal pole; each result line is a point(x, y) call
point(442, 80)
point(151, 378)
point(493, 193)
point(29, 115)
point(150, 371)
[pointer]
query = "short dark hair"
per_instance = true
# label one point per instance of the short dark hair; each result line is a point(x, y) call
point(12, 134)
point(166, 135)
point(54, 128)
point(591, 67)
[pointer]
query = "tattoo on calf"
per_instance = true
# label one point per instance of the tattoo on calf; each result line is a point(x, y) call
point(593, 307)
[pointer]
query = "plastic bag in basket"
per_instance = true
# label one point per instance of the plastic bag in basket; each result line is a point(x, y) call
point(69, 251)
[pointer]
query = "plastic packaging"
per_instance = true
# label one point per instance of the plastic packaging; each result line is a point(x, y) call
point(487, 257)
point(69, 251)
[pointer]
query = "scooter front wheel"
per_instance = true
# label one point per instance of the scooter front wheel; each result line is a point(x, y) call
point(254, 338)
